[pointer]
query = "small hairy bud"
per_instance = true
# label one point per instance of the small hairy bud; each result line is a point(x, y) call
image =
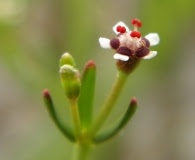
point(67, 59)
point(70, 81)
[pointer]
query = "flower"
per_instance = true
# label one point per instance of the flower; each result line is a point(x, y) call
point(130, 44)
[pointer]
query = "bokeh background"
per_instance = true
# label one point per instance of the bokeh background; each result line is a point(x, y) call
point(33, 36)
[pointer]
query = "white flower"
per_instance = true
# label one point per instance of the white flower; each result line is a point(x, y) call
point(129, 44)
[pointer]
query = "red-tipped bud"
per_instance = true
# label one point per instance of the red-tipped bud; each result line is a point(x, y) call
point(47, 97)
point(46, 93)
point(90, 64)
point(133, 101)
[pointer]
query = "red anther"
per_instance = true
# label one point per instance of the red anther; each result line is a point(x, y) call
point(136, 22)
point(139, 24)
point(118, 28)
point(135, 34)
point(123, 29)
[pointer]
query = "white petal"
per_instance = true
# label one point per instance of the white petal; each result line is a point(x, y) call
point(121, 57)
point(121, 24)
point(104, 42)
point(153, 38)
point(150, 55)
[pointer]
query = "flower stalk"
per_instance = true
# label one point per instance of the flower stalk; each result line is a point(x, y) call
point(109, 103)
point(75, 117)
point(80, 152)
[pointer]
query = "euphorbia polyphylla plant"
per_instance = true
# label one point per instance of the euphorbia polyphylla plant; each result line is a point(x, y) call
point(130, 48)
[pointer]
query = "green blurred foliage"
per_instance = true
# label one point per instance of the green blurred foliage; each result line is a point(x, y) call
point(33, 36)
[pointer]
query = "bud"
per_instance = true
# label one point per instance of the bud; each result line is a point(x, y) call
point(133, 102)
point(47, 97)
point(67, 59)
point(70, 81)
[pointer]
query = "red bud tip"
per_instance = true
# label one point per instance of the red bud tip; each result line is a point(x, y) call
point(46, 93)
point(90, 64)
point(133, 100)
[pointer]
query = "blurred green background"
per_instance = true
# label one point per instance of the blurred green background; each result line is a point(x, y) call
point(33, 36)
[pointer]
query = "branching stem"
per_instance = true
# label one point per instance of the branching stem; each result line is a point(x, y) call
point(109, 103)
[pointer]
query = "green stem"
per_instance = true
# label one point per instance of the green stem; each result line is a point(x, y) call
point(109, 103)
point(75, 116)
point(80, 152)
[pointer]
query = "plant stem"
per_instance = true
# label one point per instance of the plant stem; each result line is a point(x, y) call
point(109, 103)
point(80, 152)
point(75, 116)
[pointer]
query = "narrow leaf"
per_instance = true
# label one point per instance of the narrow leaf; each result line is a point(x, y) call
point(86, 97)
point(51, 109)
point(125, 119)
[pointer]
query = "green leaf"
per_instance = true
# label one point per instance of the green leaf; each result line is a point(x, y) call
point(125, 119)
point(86, 97)
point(51, 109)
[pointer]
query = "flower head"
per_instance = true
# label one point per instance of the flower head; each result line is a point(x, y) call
point(130, 44)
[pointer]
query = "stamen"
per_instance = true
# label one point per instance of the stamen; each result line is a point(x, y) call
point(118, 28)
point(121, 29)
point(134, 34)
point(136, 22)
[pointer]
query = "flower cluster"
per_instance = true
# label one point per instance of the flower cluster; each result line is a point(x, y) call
point(130, 44)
